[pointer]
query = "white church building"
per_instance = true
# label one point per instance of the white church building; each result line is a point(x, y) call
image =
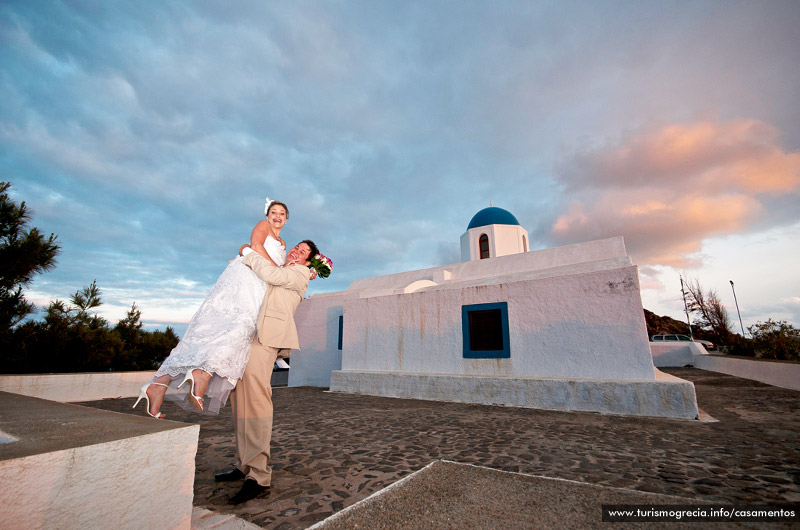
point(560, 328)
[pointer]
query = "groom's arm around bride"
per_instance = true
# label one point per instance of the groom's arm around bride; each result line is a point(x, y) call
point(288, 285)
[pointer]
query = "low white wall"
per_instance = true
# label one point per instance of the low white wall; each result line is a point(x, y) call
point(140, 482)
point(776, 373)
point(74, 388)
point(70, 388)
point(675, 353)
point(667, 396)
point(683, 353)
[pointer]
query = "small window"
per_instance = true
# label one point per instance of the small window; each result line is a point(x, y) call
point(524, 244)
point(341, 327)
point(485, 331)
point(483, 245)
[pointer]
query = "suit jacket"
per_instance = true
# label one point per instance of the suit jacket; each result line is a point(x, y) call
point(287, 286)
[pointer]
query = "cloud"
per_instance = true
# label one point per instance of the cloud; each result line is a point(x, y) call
point(787, 309)
point(148, 138)
point(667, 188)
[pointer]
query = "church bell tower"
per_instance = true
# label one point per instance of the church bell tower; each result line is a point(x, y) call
point(493, 232)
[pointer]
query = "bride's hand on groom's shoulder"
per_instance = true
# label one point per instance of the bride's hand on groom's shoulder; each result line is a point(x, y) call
point(241, 249)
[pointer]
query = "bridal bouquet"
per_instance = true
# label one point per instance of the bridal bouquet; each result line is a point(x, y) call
point(322, 264)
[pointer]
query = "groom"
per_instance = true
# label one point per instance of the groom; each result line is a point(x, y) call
point(251, 400)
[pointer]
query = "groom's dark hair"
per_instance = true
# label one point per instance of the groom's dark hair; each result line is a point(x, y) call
point(312, 246)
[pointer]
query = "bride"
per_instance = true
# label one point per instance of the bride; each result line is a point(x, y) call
point(214, 351)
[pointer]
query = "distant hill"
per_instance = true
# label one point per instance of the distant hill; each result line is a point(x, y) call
point(657, 324)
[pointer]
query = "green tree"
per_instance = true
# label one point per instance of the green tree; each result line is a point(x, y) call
point(775, 340)
point(129, 330)
point(154, 348)
point(73, 339)
point(130, 327)
point(24, 252)
point(142, 350)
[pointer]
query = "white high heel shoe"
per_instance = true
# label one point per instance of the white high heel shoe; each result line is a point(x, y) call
point(143, 394)
point(196, 401)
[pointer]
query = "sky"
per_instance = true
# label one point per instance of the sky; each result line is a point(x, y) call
point(147, 135)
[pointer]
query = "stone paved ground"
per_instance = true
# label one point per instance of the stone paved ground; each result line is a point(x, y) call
point(331, 450)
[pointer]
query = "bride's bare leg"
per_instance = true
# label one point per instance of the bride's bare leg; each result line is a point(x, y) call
point(201, 379)
point(156, 393)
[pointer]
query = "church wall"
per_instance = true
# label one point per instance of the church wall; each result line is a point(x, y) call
point(465, 247)
point(503, 240)
point(588, 325)
point(508, 239)
point(317, 320)
point(578, 254)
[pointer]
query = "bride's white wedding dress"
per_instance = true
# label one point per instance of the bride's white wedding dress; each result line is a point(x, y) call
point(220, 333)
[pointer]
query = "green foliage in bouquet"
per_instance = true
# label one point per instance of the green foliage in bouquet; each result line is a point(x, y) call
point(322, 264)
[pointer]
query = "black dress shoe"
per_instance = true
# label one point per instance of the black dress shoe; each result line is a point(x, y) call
point(229, 476)
point(250, 490)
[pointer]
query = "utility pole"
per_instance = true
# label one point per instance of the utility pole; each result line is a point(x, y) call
point(686, 309)
point(737, 307)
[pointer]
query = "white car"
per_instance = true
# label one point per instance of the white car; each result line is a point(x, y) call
point(675, 337)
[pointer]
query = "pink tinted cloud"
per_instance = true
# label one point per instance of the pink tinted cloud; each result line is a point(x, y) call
point(667, 189)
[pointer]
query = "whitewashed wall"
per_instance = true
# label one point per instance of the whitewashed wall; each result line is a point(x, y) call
point(503, 240)
point(137, 482)
point(593, 255)
point(588, 325)
point(578, 339)
point(317, 316)
point(317, 320)
point(72, 467)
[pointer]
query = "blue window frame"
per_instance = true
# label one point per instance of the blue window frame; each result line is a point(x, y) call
point(485, 331)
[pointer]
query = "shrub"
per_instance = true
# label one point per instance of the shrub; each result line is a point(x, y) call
point(775, 340)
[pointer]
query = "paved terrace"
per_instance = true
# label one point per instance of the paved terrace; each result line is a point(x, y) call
point(332, 450)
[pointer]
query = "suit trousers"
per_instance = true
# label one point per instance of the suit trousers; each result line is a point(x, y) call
point(252, 409)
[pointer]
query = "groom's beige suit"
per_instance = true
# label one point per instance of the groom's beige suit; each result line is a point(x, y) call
point(277, 335)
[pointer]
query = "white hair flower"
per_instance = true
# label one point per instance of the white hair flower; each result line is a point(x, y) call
point(267, 202)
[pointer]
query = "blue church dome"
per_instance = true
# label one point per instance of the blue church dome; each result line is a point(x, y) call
point(492, 216)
